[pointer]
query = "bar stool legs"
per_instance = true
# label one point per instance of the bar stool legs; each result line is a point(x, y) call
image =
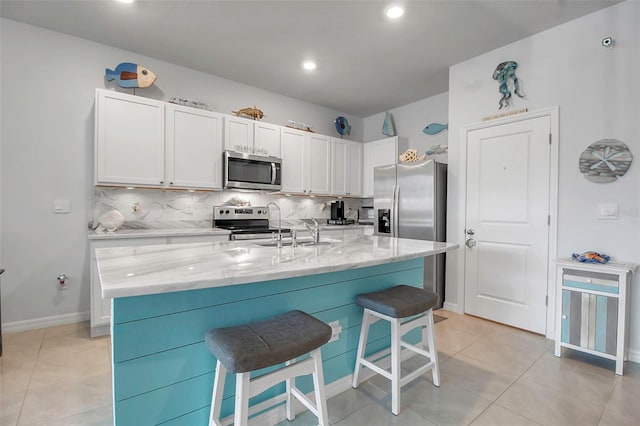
point(398, 329)
point(247, 388)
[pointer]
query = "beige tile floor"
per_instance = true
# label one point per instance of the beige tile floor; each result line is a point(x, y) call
point(491, 375)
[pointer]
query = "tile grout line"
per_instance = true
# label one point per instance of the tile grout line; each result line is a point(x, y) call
point(33, 367)
point(509, 387)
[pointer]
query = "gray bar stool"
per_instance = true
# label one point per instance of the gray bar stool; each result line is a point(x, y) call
point(258, 345)
point(395, 305)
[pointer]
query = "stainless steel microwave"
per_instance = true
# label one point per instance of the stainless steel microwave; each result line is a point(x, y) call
point(246, 171)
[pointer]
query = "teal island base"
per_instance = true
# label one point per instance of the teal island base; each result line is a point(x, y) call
point(163, 372)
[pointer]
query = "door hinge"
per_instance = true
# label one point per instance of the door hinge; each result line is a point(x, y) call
point(546, 300)
point(549, 138)
point(548, 220)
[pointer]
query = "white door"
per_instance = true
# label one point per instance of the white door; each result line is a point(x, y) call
point(507, 223)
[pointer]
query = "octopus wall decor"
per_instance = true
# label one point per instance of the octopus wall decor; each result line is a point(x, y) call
point(504, 72)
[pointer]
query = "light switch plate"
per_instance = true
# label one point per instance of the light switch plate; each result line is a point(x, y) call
point(608, 211)
point(62, 206)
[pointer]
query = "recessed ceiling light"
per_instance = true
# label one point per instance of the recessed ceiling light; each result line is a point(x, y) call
point(309, 65)
point(125, 1)
point(394, 11)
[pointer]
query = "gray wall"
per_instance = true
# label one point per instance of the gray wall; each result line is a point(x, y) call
point(48, 83)
point(598, 96)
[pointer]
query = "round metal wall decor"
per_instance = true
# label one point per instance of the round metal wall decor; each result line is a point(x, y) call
point(605, 160)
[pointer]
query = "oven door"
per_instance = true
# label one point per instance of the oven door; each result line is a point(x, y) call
point(245, 171)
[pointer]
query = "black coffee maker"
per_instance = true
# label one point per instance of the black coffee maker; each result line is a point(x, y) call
point(337, 210)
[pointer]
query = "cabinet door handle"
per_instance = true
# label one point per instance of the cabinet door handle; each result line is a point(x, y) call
point(170, 183)
point(161, 182)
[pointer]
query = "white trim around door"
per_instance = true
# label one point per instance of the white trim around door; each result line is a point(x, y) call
point(553, 114)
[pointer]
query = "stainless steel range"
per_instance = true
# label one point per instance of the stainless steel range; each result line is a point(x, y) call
point(246, 223)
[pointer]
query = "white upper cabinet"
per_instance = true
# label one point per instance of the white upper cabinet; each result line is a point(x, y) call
point(346, 168)
point(318, 164)
point(129, 139)
point(143, 142)
point(306, 162)
point(354, 169)
point(377, 153)
point(241, 133)
point(193, 148)
point(267, 137)
point(293, 158)
point(238, 133)
point(339, 166)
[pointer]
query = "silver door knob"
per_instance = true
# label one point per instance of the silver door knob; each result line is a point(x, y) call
point(470, 243)
point(470, 231)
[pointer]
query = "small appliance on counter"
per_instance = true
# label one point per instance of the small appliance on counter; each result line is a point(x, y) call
point(365, 215)
point(337, 210)
point(337, 215)
point(341, 221)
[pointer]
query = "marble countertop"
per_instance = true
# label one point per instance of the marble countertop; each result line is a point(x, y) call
point(179, 232)
point(146, 233)
point(134, 271)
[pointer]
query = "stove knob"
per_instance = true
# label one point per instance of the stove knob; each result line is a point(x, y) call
point(259, 211)
point(221, 211)
point(226, 211)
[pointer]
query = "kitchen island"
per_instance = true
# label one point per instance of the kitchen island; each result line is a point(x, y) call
point(166, 296)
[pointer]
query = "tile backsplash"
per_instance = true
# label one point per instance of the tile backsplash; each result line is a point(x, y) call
point(154, 208)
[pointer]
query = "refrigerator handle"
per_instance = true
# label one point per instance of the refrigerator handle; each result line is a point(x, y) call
point(394, 211)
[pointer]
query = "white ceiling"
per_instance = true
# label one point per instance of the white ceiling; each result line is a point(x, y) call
point(366, 64)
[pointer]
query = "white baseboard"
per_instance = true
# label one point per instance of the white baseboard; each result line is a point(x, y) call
point(634, 356)
point(453, 307)
point(32, 324)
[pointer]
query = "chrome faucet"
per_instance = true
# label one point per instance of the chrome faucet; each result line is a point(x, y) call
point(315, 231)
point(271, 203)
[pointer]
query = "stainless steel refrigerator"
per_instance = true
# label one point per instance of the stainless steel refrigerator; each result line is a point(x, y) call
point(410, 201)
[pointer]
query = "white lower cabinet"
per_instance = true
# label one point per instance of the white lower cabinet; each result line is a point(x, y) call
point(101, 308)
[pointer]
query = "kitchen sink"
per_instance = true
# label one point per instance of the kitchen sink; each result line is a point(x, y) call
point(300, 243)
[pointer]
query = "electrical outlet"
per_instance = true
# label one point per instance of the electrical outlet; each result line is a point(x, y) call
point(335, 330)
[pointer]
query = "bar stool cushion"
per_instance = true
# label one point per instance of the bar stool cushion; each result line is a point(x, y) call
point(262, 344)
point(398, 302)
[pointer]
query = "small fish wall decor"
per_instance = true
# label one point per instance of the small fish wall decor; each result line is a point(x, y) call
point(435, 128)
point(254, 113)
point(131, 76)
point(342, 126)
point(605, 161)
point(388, 128)
point(504, 72)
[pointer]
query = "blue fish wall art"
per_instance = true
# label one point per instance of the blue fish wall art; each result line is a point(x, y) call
point(342, 126)
point(130, 75)
point(435, 128)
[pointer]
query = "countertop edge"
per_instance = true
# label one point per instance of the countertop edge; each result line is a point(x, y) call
point(149, 289)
